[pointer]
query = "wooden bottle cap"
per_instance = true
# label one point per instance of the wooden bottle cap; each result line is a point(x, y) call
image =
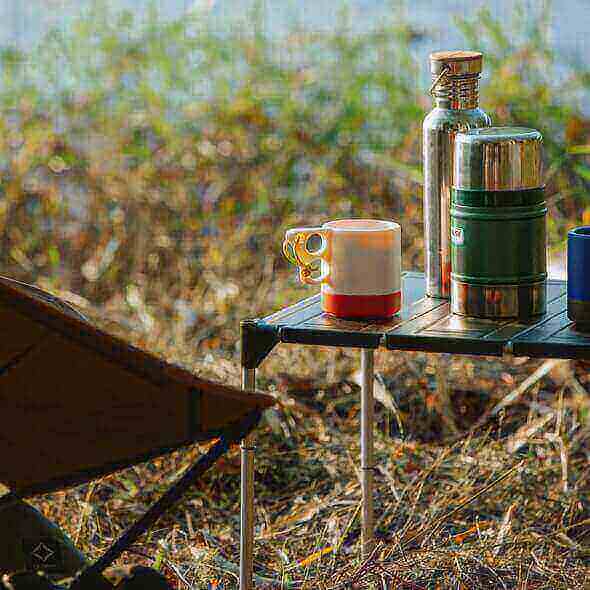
point(456, 62)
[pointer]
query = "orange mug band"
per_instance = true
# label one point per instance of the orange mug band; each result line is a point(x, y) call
point(362, 306)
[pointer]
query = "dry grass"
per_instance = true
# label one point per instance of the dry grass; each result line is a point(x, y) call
point(483, 474)
point(179, 239)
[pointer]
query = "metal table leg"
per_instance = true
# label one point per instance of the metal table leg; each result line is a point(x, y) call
point(247, 496)
point(367, 463)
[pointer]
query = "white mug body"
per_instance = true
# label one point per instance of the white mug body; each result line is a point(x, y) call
point(364, 264)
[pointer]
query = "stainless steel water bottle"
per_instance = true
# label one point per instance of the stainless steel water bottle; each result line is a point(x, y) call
point(455, 90)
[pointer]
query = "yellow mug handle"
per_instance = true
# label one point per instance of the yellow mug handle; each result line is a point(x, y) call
point(302, 257)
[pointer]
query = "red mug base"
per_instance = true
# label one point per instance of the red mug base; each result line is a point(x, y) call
point(362, 306)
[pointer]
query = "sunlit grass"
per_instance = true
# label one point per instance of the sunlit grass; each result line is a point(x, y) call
point(148, 171)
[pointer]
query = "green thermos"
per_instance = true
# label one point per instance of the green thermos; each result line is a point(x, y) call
point(498, 224)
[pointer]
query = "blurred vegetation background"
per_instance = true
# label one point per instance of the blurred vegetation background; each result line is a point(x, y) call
point(148, 170)
point(143, 162)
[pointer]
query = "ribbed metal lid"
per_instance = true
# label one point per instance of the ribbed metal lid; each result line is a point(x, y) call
point(456, 63)
point(498, 158)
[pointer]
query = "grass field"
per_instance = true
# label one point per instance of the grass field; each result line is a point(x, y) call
point(148, 172)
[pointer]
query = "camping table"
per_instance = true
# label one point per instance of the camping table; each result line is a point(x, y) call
point(424, 324)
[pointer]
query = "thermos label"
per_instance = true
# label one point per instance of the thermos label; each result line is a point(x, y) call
point(457, 236)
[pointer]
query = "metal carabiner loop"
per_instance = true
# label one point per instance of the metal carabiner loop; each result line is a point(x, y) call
point(445, 70)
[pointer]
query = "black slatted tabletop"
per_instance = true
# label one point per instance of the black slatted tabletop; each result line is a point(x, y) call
point(426, 324)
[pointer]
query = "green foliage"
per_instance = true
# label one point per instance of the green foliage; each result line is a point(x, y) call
point(149, 169)
point(125, 144)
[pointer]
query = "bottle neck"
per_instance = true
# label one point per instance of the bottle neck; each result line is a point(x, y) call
point(457, 92)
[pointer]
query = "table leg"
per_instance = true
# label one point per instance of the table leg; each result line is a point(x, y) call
point(367, 462)
point(247, 496)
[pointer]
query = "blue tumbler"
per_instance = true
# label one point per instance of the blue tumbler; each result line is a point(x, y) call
point(578, 275)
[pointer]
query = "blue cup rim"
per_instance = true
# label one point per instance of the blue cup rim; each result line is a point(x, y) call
point(582, 232)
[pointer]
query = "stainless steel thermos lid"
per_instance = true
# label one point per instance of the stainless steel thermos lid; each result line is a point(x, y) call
point(456, 63)
point(498, 159)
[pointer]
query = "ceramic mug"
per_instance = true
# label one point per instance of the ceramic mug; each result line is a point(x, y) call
point(360, 265)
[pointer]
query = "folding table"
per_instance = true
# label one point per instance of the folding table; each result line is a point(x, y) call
point(424, 324)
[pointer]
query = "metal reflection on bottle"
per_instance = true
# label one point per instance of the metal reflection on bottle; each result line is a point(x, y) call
point(456, 92)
